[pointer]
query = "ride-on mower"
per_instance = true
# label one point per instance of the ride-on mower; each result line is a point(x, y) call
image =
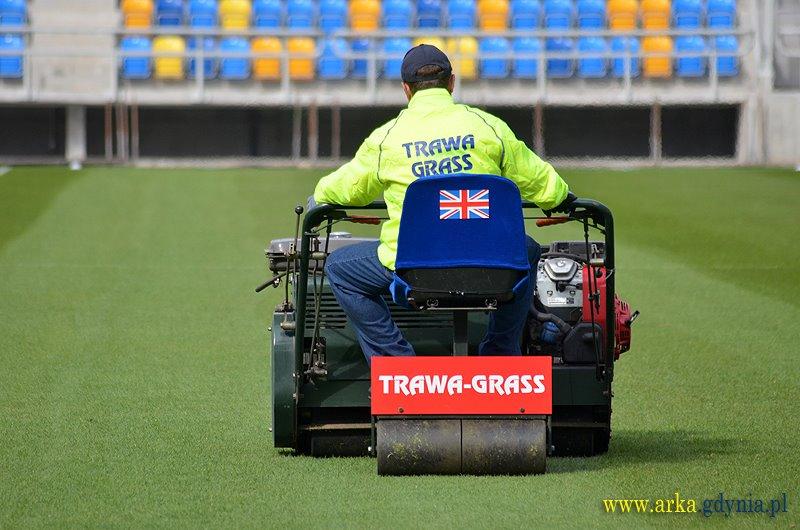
point(447, 410)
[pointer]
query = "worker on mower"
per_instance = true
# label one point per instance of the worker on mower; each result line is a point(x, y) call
point(432, 136)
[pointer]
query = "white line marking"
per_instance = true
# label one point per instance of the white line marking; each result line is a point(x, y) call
point(4, 170)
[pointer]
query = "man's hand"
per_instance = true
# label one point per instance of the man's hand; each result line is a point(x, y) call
point(565, 206)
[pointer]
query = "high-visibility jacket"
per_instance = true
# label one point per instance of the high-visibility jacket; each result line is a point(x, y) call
point(435, 136)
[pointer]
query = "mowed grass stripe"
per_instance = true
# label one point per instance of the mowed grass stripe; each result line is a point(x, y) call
point(135, 389)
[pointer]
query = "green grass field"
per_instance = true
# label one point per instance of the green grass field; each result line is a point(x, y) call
point(134, 385)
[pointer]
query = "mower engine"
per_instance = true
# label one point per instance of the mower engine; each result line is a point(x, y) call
point(568, 313)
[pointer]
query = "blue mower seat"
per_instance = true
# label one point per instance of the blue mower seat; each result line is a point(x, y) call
point(462, 246)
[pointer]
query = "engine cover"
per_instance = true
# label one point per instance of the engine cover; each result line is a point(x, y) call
point(559, 284)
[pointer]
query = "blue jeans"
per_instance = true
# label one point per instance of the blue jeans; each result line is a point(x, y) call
point(358, 279)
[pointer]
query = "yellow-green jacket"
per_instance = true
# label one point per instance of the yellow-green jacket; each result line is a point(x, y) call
point(436, 136)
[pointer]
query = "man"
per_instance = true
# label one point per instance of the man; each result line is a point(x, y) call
point(432, 136)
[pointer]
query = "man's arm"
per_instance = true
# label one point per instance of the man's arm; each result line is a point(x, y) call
point(537, 180)
point(355, 183)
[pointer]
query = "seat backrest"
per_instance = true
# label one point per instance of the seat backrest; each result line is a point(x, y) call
point(452, 225)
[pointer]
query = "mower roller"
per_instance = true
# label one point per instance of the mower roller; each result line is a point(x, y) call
point(321, 401)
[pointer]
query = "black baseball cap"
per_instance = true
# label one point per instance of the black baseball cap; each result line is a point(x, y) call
point(425, 55)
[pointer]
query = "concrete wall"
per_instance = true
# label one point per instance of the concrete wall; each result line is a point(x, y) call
point(782, 129)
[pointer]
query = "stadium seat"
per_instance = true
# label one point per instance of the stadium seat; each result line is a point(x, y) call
point(727, 48)
point(171, 65)
point(592, 61)
point(461, 14)
point(365, 15)
point(433, 41)
point(659, 64)
point(397, 14)
point(235, 14)
point(396, 49)
point(525, 14)
point(592, 14)
point(656, 14)
point(721, 13)
point(626, 50)
point(622, 14)
point(526, 67)
point(493, 15)
point(495, 67)
point(169, 12)
point(209, 62)
point(137, 13)
point(560, 67)
point(136, 67)
point(462, 52)
point(203, 13)
point(687, 14)
point(301, 58)
point(267, 67)
point(234, 68)
point(558, 14)
point(332, 15)
point(13, 12)
point(690, 66)
point(300, 14)
point(11, 65)
point(429, 13)
point(360, 65)
point(332, 62)
point(267, 13)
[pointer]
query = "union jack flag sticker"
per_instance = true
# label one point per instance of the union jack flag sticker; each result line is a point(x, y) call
point(463, 204)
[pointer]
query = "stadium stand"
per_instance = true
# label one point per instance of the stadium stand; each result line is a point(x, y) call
point(137, 13)
point(395, 48)
point(13, 12)
point(267, 63)
point(170, 51)
point(235, 14)
point(526, 67)
point(203, 13)
point(463, 52)
point(169, 13)
point(267, 14)
point(332, 15)
point(462, 13)
point(233, 67)
point(209, 51)
point(135, 67)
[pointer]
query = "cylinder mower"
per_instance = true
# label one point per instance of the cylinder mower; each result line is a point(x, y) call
point(322, 387)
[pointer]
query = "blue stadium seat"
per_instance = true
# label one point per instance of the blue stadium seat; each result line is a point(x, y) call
point(234, 68)
point(592, 14)
point(13, 12)
point(691, 66)
point(525, 14)
point(560, 67)
point(592, 62)
point(332, 63)
point(169, 12)
point(494, 67)
point(721, 13)
point(461, 14)
point(687, 14)
point(557, 14)
point(727, 65)
point(620, 48)
point(360, 66)
point(209, 63)
point(526, 68)
point(267, 13)
point(203, 13)
point(429, 13)
point(300, 14)
point(397, 14)
point(134, 67)
point(332, 15)
point(397, 47)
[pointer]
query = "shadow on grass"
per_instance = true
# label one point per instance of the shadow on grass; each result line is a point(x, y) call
point(25, 194)
point(655, 446)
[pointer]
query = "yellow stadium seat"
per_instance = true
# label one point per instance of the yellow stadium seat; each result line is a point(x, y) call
point(267, 67)
point(463, 51)
point(301, 58)
point(622, 14)
point(659, 65)
point(235, 14)
point(137, 13)
point(365, 15)
point(656, 14)
point(433, 41)
point(170, 67)
point(493, 15)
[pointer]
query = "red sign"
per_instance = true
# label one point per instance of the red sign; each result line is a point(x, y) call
point(461, 385)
